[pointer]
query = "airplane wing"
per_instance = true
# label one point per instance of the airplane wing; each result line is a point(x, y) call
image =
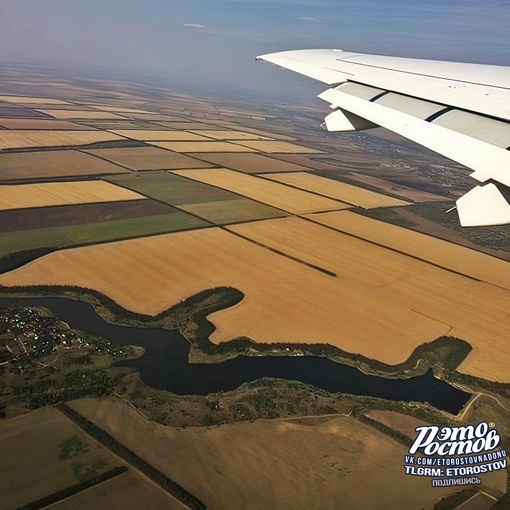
point(461, 111)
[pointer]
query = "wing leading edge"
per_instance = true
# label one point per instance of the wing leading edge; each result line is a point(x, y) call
point(461, 111)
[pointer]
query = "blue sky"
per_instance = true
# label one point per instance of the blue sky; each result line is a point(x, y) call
point(213, 42)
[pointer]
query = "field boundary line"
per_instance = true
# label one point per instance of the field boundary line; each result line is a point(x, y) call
point(127, 455)
point(69, 492)
point(278, 252)
point(416, 257)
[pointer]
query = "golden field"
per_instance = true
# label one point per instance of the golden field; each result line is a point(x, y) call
point(29, 100)
point(286, 301)
point(248, 163)
point(231, 135)
point(182, 123)
point(202, 147)
point(80, 114)
point(40, 124)
point(155, 135)
point(334, 189)
point(351, 259)
point(380, 302)
point(117, 109)
point(62, 193)
point(443, 253)
point(19, 139)
point(280, 464)
point(474, 311)
point(272, 193)
point(278, 146)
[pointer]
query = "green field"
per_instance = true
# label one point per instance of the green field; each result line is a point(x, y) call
point(172, 189)
point(213, 204)
point(91, 233)
point(233, 211)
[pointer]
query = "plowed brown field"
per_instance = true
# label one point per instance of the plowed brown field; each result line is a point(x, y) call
point(33, 165)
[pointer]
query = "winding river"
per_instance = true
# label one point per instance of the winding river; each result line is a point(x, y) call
point(165, 363)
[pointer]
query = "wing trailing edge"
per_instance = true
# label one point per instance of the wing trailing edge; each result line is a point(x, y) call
point(424, 101)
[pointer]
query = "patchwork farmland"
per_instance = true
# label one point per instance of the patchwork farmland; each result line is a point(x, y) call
point(47, 164)
point(249, 163)
point(274, 194)
point(288, 238)
point(151, 198)
point(61, 193)
point(347, 193)
point(23, 139)
point(147, 158)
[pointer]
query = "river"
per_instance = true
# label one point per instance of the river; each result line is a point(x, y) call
point(165, 363)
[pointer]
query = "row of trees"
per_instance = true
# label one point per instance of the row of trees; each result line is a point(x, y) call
point(173, 488)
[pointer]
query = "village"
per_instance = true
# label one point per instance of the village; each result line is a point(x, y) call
point(30, 338)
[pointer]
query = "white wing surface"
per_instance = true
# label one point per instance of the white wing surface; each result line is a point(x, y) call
point(459, 110)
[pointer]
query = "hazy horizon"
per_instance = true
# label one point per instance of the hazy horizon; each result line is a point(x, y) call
point(213, 44)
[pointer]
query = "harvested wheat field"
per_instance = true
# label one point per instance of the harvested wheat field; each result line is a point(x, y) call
point(113, 125)
point(164, 135)
point(33, 165)
point(347, 193)
point(182, 124)
point(36, 461)
point(443, 253)
point(61, 193)
point(297, 303)
point(117, 109)
point(81, 114)
point(273, 464)
point(202, 147)
point(475, 311)
point(404, 423)
point(19, 139)
point(147, 158)
point(231, 135)
point(279, 146)
point(351, 259)
point(129, 491)
point(151, 117)
point(42, 106)
point(40, 124)
point(271, 193)
point(29, 100)
point(248, 163)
